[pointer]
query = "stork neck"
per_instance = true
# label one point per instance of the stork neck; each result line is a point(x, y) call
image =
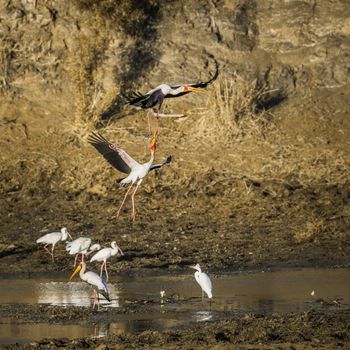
point(176, 91)
point(152, 158)
point(82, 272)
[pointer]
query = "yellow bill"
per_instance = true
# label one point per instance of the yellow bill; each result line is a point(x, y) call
point(75, 272)
point(194, 89)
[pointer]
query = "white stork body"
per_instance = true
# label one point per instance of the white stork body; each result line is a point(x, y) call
point(97, 282)
point(204, 281)
point(81, 246)
point(105, 254)
point(121, 160)
point(53, 238)
point(138, 172)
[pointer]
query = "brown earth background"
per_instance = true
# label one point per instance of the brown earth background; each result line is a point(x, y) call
point(261, 160)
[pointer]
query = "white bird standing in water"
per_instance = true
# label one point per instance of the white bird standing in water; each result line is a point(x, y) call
point(53, 238)
point(98, 284)
point(203, 280)
point(105, 254)
point(81, 246)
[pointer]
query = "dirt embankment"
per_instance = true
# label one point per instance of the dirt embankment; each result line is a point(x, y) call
point(260, 161)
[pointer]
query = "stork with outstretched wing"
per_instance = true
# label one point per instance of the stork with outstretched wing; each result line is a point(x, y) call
point(153, 99)
point(121, 160)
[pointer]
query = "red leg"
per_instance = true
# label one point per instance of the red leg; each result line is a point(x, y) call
point(133, 202)
point(126, 194)
point(158, 111)
point(45, 247)
point(101, 271)
point(94, 296)
point(52, 255)
point(75, 260)
point(149, 122)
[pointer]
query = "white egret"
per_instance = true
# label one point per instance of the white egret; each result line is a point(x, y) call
point(98, 284)
point(53, 238)
point(81, 246)
point(203, 280)
point(120, 160)
point(105, 254)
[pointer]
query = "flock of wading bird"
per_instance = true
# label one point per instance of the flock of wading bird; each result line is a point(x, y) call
point(152, 102)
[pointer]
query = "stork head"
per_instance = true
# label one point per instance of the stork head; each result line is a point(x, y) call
point(65, 233)
point(153, 144)
point(196, 267)
point(116, 246)
point(79, 267)
point(191, 89)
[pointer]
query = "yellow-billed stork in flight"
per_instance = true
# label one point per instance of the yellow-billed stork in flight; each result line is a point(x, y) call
point(98, 284)
point(121, 160)
point(155, 97)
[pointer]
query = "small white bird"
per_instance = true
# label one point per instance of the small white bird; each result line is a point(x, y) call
point(53, 238)
point(81, 246)
point(98, 284)
point(105, 254)
point(123, 162)
point(203, 280)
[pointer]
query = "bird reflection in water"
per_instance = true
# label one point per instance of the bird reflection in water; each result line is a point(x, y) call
point(73, 294)
point(201, 316)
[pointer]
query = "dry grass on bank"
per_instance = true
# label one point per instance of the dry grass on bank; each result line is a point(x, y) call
point(233, 112)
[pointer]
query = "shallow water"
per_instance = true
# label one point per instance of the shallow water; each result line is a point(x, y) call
point(268, 292)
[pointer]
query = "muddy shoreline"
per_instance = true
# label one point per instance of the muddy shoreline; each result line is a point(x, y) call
point(162, 241)
point(328, 329)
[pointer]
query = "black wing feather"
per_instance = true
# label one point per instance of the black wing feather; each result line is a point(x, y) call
point(136, 99)
point(112, 156)
point(206, 83)
point(157, 166)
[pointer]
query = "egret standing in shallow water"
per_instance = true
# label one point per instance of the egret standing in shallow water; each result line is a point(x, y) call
point(53, 238)
point(105, 254)
point(120, 160)
point(98, 284)
point(81, 246)
point(203, 280)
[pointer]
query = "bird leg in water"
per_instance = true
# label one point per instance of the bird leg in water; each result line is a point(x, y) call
point(133, 202)
point(126, 194)
point(95, 296)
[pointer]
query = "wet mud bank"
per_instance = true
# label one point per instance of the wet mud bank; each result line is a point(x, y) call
point(314, 329)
